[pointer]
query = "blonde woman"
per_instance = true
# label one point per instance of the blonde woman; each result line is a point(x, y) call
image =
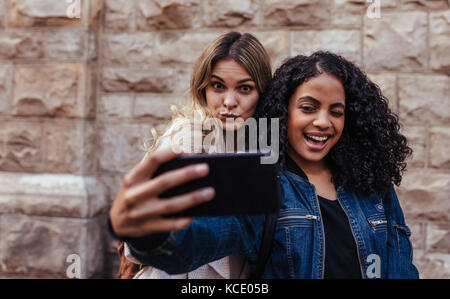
point(227, 81)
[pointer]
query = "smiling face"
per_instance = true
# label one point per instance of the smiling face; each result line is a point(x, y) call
point(316, 117)
point(231, 93)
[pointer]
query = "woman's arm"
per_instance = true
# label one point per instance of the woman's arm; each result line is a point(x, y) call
point(205, 240)
point(400, 249)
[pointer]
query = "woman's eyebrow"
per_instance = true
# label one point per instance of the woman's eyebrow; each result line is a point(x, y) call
point(339, 105)
point(309, 98)
point(240, 81)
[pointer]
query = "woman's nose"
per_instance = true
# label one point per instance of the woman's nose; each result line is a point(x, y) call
point(322, 120)
point(230, 100)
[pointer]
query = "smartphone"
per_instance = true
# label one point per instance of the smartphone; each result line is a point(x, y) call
point(243, 185)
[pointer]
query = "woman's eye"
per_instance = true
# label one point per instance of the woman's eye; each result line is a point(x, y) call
point(307, 108)
point(246, 88)
point(337, 113)
point(217, 85)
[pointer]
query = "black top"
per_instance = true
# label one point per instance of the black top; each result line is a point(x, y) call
point(341, 256)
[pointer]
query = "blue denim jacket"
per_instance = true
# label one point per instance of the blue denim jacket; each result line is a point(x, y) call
point(378, 226)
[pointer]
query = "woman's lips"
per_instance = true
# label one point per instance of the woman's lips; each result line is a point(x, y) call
point(316, 145)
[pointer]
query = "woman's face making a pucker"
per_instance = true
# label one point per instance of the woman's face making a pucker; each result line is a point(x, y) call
point(231, 93)
point(316, 117)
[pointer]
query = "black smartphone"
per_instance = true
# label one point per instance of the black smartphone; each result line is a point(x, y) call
point(243, 185)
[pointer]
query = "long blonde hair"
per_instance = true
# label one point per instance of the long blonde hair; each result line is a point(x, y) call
point(246, 50)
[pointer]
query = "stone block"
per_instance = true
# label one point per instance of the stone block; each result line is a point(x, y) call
point(424, 195)
point(417, 140)
point(226, 13)
point(348, 13)
point(276, 44)
point(296, 13)
point(70, 147)
point(433, 265)
point(119, 149)
point(168, 14)
point(21, 147)
point(388, 85)
point(160, 79)
point(52, 195)
point(343, 42)
point(6, 73)
point(421, 4)
point(67, 44)
point(155, 105)
point(440, 40)
point(21, 45)
point(440, 147)
point(31, 13)
point(396, 42)
point(51, 90)
point(41, 246)
point(116, 106)
point(424, 99)
point(152, 48)
point(119, 15)
point(438, 237)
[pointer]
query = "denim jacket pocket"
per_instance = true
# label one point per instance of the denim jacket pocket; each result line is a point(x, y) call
point(403, 240)
point(377, 222)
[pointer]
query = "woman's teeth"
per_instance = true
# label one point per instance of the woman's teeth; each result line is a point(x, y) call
point(317, 138)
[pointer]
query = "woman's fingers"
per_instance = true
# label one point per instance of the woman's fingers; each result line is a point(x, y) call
point(155, 208)
point(165, 181)
point(148, 165)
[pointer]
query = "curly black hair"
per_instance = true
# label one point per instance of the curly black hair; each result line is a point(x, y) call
point(370, 155)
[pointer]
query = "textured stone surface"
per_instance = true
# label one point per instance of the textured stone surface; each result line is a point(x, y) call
point(424, 195)
point(396, 41)
point(21, 45)
point(152, 48)
point(6, 72)
point(438, 237)
point(433, 265)
point(348, 12)
point(231, 13)
point(388, 85)
point(66, 44)
point(440, 147)
point(119, 15)
point(70, 147)
point(417, 140)
point(432, 4)
point(62, 195)
point(295, 12)
point(39, 246)
point(157, 79)
point(343, 42)
point(28, 13)
point(119, 146)
point(168, 14)
point(440, 40)
point(50, 90)
point(155, 105)
point(424, 99)
point(276, 44)
point(21, 147)
point(116, 106)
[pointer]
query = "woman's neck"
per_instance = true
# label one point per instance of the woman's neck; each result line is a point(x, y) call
point(310, 168)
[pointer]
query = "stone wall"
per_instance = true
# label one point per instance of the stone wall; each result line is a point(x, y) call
point(78, 95)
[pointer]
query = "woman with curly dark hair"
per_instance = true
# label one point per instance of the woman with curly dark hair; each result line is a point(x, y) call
point(340, 154)
point(340, 139)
